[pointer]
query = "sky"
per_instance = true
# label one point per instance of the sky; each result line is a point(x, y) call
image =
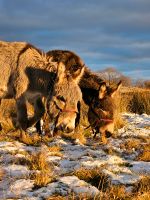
point(110, 33)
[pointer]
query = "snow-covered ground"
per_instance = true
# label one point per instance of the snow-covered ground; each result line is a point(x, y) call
point(121, 165)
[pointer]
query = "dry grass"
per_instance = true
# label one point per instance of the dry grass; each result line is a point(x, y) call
point(144, 196)
point(55, 150)
point(119, 122)
point(145, 153)
point(42, 178)
point(93, 176)
point(115, 192)
point(37, 161)
point(142, 186)
point(136, 100)
point(131, 145)
point(28, 139)
point(4, 137)
point(2, 173)
point(43, 171)
point(56, 197)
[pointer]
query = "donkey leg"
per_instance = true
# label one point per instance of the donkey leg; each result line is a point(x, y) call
point(38, 127)
point(22, 113)
point(103, 138)
point(39, 110)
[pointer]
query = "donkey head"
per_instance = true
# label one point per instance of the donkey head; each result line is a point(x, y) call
point(63, 107)
point(104, 108)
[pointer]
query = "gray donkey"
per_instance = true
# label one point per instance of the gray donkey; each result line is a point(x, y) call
point(27, 74)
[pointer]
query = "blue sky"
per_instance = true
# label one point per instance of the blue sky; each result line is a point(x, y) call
point(110, 33)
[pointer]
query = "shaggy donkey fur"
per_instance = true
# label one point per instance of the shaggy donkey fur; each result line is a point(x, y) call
point(27, 74)
point(98, 96)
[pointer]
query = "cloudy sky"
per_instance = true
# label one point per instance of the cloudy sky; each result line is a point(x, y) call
point(110, 33)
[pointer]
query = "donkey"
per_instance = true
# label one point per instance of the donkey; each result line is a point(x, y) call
point(96, 94)
point(102, 110)
point(27, 74)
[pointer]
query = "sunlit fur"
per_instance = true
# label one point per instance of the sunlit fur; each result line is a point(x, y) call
point(99, 97)
point(63, 107)
point(27, 74)
point(101, 114)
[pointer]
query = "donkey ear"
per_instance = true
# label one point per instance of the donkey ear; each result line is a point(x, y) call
point(60, 72)
point(102, 90)
point(116, 89)
point(78, 74)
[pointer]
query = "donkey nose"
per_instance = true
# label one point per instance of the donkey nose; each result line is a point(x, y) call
point(64, 128)
point(60, 127)
point(68, 129)
point(108, 134)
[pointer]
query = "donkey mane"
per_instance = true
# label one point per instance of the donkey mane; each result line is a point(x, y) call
point(72, 63)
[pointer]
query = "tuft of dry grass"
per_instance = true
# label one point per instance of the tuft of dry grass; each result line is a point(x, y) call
point(55, 150)
point(131, 144)
point(4, 137)
point(42, 178)
point(119, 121)
point(142, 186)
point(144, 196)
point(115, 192)
point(43, 171)
point(28, 139)
point(37, 161)
point(94, 176)
point(145, 154)
point(136, 100)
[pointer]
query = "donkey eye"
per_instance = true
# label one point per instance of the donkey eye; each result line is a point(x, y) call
point(61, 98)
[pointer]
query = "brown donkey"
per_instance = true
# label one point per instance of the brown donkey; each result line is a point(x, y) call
point(98, 96)
point(27, 74)
point(102, 110)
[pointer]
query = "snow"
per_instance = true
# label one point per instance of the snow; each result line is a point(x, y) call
point(120, 166)
point(79, 186)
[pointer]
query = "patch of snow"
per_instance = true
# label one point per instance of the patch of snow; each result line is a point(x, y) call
point(16, 171)
point(20, 185)
point(79, 186)
point(140, 167)
point(93, 163)
point(121, 178)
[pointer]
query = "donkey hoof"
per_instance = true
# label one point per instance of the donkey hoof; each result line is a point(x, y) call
point(103, 140)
